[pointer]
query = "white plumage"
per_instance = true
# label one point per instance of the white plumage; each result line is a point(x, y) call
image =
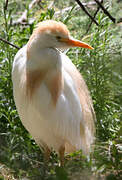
point(51, 96)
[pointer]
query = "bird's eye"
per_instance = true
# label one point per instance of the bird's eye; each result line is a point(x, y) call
point(58, 37)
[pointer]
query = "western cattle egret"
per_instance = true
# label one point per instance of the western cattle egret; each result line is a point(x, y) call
point(51, 96)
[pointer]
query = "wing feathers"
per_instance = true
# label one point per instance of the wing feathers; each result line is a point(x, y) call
point(87, 128)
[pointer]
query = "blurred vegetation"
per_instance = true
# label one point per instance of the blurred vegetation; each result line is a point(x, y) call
point(20, 157)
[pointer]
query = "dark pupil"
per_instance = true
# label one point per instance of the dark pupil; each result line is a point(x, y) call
point(58, 37)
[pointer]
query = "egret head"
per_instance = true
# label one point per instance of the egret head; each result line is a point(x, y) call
point(55, 35)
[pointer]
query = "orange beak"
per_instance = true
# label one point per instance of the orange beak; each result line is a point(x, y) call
point(75, 43)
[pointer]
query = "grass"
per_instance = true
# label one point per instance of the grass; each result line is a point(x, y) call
point(20, 157)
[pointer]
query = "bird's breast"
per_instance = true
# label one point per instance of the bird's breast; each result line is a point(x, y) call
point(53, 81)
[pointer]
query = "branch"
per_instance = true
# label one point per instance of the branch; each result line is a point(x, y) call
point(7, 42)
point(6, 5)
point(83, 8)
point(98, 8)
point(77, 7)
point(105, 11)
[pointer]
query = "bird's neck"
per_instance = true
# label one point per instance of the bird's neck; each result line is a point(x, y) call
point(44, 66)
point(39, 56)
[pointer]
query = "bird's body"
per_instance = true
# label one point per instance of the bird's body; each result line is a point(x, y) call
point(50, 94)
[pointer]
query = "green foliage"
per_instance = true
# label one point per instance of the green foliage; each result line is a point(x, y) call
point(102, 69)
point(98, 68)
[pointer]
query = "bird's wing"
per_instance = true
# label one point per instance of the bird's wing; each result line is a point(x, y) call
point(87, 128)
